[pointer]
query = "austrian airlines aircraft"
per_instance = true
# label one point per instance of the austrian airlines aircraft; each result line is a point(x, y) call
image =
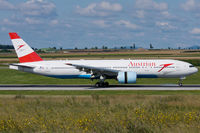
point(124, 71)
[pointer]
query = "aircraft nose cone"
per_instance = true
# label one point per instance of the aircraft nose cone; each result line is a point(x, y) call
point(195, 70)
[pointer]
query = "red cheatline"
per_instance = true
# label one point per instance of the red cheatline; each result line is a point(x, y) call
point(164, 66)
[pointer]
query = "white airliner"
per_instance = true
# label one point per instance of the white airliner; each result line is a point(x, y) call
point(124, 71)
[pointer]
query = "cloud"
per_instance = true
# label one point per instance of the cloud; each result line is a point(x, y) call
point(143, 8)
point(38, 8)
point(190, 5)
point(127, 24)
point(68, 25)
point(140, 13)
point(150, 5)
point(166, 14)
point(9, 22)
point(195, 31)
point(112, 7)
point(139, 34)
point(182, 44)
point(4, 5)
point(32, 21)
point(165, 25)
point(99, 9)
point(54, 22)
point(31, 12)
point(3, 29)
point(196, 37)
point(101, 23)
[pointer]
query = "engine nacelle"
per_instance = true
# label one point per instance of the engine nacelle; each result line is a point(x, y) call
point(127, 77)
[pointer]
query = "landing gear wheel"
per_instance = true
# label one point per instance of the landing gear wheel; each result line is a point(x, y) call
point(101, 84)
point(180, 84)
point(180, 81)
point(97, 84)
point(106, 84)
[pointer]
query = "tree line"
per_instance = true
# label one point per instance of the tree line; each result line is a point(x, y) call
point(6, 46)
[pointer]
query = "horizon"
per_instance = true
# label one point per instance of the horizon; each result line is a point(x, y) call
point(194, 47)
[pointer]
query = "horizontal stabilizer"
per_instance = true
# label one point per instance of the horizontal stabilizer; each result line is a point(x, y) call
point(16, 66)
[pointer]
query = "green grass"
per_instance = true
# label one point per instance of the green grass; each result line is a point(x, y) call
point(97, 92)
point(95, 113)
point(3, 65)
point(8, 76)
point(195, 62)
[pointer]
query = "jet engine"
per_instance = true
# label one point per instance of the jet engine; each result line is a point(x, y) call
point(127, 77)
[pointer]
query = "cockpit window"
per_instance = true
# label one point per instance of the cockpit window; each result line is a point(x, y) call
point(191, 66)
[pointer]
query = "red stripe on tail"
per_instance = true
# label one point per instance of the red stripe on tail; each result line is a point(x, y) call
point(14, 36)
point(32, 57)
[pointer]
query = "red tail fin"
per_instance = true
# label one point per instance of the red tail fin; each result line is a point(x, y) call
point(24, 52)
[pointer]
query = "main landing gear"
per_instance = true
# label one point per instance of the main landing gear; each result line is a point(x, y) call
point(102, 83)
point(180, 81)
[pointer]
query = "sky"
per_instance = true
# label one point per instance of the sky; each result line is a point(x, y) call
point(112, 23)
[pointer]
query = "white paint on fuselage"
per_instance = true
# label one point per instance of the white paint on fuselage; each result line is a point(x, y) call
point(141, 67)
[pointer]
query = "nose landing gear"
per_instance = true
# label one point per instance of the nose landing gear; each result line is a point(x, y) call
point(180, 81)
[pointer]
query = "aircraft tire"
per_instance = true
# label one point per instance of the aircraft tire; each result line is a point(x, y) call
point(180, 84)
point(101, 84)
point(106, 84)
point(97, 85)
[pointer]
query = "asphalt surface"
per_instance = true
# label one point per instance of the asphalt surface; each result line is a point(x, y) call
point(91, 87)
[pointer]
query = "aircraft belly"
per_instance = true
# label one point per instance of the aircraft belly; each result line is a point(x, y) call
point(63, 73)
point(88, 76)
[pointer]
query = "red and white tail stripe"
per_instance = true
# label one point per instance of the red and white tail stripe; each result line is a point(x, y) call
point(24, 52)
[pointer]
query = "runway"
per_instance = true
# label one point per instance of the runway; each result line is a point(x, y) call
point(91, 87)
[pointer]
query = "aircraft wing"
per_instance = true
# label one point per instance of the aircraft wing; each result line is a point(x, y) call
point(96, 71)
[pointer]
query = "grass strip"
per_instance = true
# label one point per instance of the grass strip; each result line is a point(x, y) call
point(99, 92)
